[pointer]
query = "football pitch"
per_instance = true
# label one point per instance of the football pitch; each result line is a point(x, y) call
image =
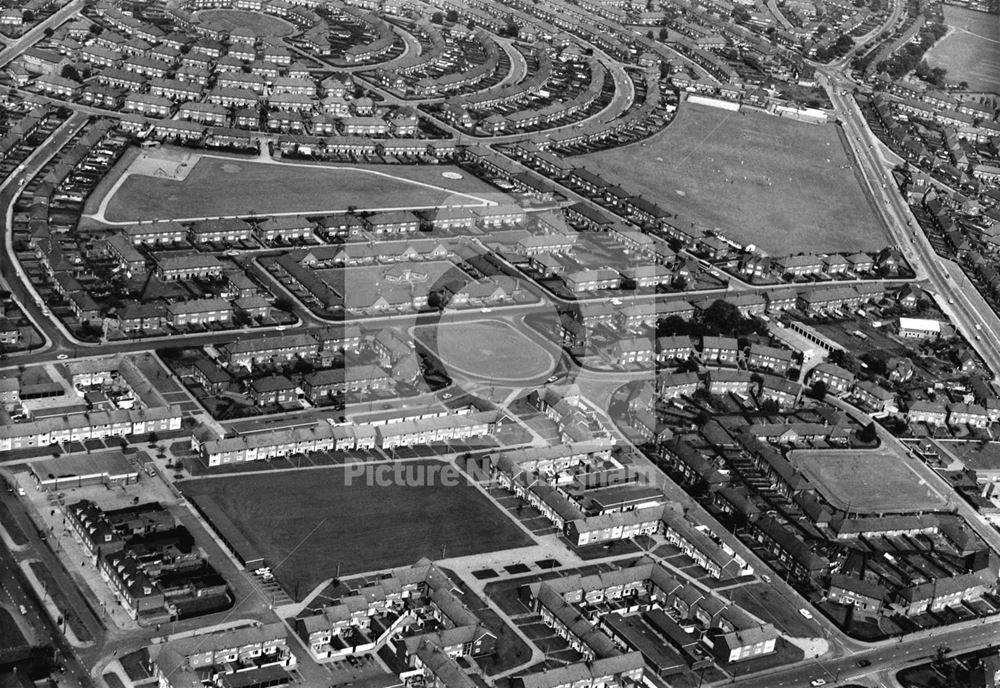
point(876, 481)
point(782, 185)
point(311, 524)
point(210, 186)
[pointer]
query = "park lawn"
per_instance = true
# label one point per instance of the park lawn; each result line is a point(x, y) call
point(311, 524)
point(971, 50)
point(487, 349)
point(782, 185)
point(866, 481)
point(223, 186)
point(258, 23)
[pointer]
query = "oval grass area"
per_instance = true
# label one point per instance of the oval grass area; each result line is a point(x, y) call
point(487, 349)
point(257, 23)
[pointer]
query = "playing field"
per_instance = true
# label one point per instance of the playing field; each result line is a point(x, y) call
point(876, 481)
point(257, 23)
point(308, 523)
point(782, 185)
point(486, 349)
point(208, 186)
point(971, 49)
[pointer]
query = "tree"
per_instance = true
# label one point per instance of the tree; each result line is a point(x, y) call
point(437, 18)
point(869, 433)
point(69, 72)
point(451, 16)
point(49, 32)
point(769, 407)
point(96, 29)
point(28, 17)
point(470, 25)
point(153, 439)
point(818, 390)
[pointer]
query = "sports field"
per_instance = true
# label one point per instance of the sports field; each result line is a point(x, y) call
point(257, 23)
point(160, 186)
point(486, 349)
point(782, 185)
point(308, 523)
point(877, 481)
point(971, 49)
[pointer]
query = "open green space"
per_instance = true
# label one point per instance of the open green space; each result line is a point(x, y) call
point(257, 23)
point(486, 349)
point(782, 185)
point(970, 51)
point(11, 638)
point(311, 524)
point(223, 186)
point(877, 481)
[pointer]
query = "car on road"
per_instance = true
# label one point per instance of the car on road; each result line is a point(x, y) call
point(766, 578)
point(806, 614)
point(62, 357)
point(485, 310)
point(818, 682)
point(864, 663)
point(22, 609)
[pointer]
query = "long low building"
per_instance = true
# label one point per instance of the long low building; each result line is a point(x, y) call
point(344, 437)
point(105, 468)
point(85, 426)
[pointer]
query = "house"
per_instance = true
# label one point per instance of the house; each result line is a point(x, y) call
point(879, 399)
point(582, 281)
point(800, 266)
point(837, 379)
point(631, 351)
point(930, 412)
point(272, 390)
point(770, 358)
point(724, 380)
point(968, 414)
point(673, 348)
point(779, 389)
point(199, 312)
point(719, 351)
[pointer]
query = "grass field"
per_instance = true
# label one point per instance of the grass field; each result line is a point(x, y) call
point(867, 481)
point(971, 50)
point(309, 523)
point(221, 186)
point(258, 23)
point(782, 185)
point(486, 349)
